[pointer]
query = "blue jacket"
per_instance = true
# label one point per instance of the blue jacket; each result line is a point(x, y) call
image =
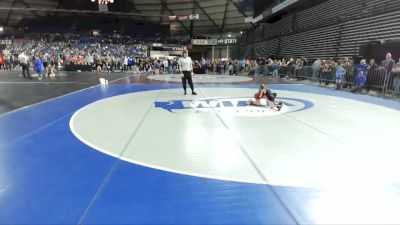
point(363, 67)
point(242, 63)
point(38, 65)
point(360, 80)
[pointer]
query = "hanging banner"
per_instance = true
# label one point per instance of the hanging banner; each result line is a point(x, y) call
point(172, 18)
point(194, 17)
point(182, 18)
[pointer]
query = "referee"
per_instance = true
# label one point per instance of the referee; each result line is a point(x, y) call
point(186, 67)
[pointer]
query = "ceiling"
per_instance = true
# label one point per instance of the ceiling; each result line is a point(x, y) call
point(216, 16)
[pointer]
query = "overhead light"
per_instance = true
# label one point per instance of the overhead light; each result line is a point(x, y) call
point(1, 29)
point(241, 32)
point(229, 35)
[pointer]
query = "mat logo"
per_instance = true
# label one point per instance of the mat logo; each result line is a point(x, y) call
point(233, 106)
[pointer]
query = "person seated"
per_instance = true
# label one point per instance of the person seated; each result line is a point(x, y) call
point(359, 80)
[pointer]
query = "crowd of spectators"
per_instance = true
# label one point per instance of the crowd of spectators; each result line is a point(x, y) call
point(342, 72)
point(50, 52)
point(60, 50)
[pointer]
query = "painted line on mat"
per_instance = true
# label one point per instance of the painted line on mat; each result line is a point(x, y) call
point(117, 161)
point(100, 149)
point(253, 163)
point(48, 100)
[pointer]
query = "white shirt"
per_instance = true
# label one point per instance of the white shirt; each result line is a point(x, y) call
point(23, 58)
point(186, 64)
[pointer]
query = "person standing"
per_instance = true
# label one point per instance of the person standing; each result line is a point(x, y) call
point(372, 65)
point(186, 68)
point(23, 60)
point(125, 68)
point(2, 62)
point(340, 73)
point(396, 78)
point(166, 65)
point(39, 67)
point(388, 65)
point(316, 69)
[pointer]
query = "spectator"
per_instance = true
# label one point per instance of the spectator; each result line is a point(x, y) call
point(169, 66)
point(242, 65)
point(50, 70)
point(302, 65)
point(340, 73)
point(316, 68)
point(290, 67)
point(275, 67)
point(9, 61)
point(45, 60)
point(359, 80)
point(230, 68)
point(362, 66)
point(261, 66)
point(388, 65)
point(39, 68)
point(2, 62)
point(247, 66)
point(396, 79)
point(304, 61)
point(372, 65)
point(166, 65)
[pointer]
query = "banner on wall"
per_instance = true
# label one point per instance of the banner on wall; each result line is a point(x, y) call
point(221, 41)
point(6, 42)
point(204, 41)
point(226, 41)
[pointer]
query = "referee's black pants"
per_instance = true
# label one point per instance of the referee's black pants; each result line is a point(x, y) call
point(187, 75)
point(25, 67)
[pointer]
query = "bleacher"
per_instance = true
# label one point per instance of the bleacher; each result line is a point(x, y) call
point(375, 28)
point(382, 5)
point(328, 13)
point(332, 29)
point(266, 48)
point(318, 43)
